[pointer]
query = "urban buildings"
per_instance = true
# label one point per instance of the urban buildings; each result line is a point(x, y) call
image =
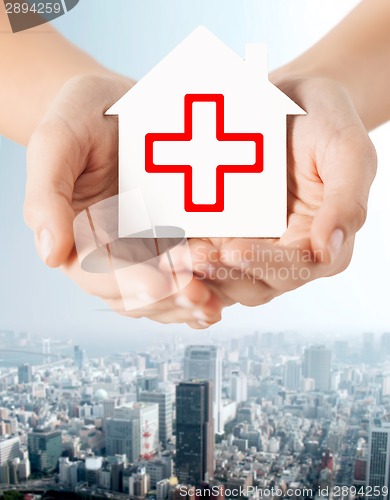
point(123, 437)
point(292, 375)
point(238, 387)
point(79, 357)
point(44, 449)
point(378, 463)
point(280, 430)
point(204, 363)
point(147, 415)
point(194, 432)
point(317, 366)
point(9, 448)
point(164, 401)
point(24, 374)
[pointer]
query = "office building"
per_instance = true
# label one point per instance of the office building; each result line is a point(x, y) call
point(68, 475)
point(9, 449)
point(163, 372)
point(194, 432)
point(123, 437)
point(147, 415)
point(108, 408)
point(164, 402)
point(79, 357)
point(378, 463)
point(238, 387)
point(368, 348)
point(44, 450)
point(204, 363)
point(24, 374)
point(317, 366)
point(139, 483)
point(292, 375)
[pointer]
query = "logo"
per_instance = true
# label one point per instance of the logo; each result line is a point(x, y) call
point(26, 14)
point(221, 138)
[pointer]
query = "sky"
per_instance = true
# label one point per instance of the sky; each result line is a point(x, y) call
point(131, 36)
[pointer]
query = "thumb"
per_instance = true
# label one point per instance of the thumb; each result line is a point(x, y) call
point(49, 189)
point(347, 172)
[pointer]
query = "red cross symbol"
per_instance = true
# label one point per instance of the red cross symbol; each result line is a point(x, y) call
point(232, 144)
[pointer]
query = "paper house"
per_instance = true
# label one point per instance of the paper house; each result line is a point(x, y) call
point(203, 136)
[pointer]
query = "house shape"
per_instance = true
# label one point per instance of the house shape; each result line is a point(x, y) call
point(203, 137)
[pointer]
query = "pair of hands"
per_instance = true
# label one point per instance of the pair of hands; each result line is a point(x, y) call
point(72, 164)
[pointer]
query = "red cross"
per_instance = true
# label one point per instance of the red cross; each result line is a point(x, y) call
point(187, 170)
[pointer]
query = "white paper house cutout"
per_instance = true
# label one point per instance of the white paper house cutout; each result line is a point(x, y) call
point(215, 79)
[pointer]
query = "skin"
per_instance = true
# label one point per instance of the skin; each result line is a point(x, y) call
point(72, 163)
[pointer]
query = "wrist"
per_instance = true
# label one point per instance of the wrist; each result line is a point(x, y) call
point(289, 76)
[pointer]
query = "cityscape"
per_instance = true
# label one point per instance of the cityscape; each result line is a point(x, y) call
point(264, 415)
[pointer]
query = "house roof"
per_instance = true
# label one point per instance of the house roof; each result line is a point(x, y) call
point(201, 44)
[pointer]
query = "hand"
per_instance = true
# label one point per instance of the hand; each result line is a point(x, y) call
point(331, 165)
point(71, 165)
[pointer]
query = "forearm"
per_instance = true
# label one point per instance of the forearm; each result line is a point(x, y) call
point(34, 65)
point(357, 54)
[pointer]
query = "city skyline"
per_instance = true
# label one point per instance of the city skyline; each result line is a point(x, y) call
point(300, 412)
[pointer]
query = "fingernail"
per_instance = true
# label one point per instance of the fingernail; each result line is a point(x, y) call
point(184, 302)
point(203, 324)
point(335, 243)
point(46, 244)
point(198, 314)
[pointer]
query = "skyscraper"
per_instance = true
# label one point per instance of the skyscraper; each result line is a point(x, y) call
point(44, 450)
point(368, 347)
point(317, 365)
point(9, 448)
point(79, 357)
point(378, 463)
point(24, 374)
point(238, 387)
point(194, 432)
point(164, 401)
point(204, 363)
point(147, 415)
point(292, 375)
point(123, 437)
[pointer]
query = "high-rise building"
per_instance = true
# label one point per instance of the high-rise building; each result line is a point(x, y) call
point(194, 432)
point(79, 357)
point(204, 363)
point(368, 347)
point(44, 450)
point(292, 375)
point(139, 483)
point(108, 408)
point(123, 437)
point(378, 463)
point(159, 469)
point(238, 387)
point(147, 415)
point(385, 344)
point(9, 449)
point(163, 371)
point(24, 374)
point(162, 488)
point(317, 365)
point(164, 401)
point(68, 472)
